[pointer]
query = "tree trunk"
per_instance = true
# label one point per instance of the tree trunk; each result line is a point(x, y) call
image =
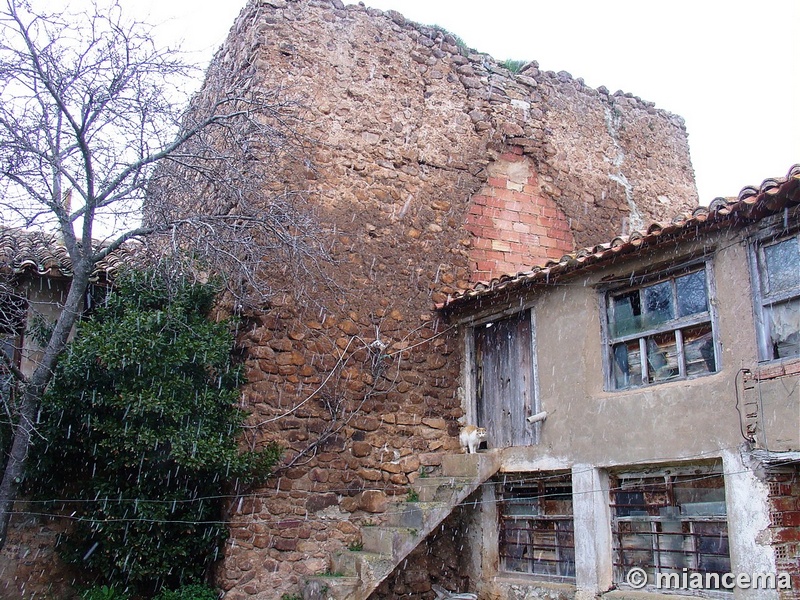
point(15, 466)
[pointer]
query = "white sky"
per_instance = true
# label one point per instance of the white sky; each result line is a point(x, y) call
point(730, 68)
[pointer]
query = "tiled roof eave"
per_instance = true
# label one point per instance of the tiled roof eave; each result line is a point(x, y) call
point(33, 253)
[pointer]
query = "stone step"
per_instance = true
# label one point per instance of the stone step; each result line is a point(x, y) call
point(439, 489)
point(413, 515)
point(481, 465)
point(388, 541)
point(351, 563)
point(332, 587)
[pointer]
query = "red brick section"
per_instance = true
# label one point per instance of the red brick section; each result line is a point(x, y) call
point(774, 371)
point(784, 491)
point(515, 226)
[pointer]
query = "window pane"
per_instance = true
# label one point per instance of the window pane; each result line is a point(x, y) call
point(662, 357)
point(701, 494)
point(664, 523)
point(783, 265)
point(698, 350)
point(515, 541)
point(627, 314)
point(711, 540)
point(658, 306)
point(692, 298)
point(627, 365)
point(784, 328)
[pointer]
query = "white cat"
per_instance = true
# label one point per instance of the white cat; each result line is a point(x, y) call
point(471, 437)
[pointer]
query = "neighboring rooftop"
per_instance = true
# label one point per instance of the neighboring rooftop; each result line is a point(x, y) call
point(24, 252)
point(752, 203)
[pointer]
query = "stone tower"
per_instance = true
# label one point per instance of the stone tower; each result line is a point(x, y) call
point(435, 168)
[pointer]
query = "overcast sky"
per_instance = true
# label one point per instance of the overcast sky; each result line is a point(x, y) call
point(730, 68)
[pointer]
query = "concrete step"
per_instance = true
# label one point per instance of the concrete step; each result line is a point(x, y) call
point(373, 568)
point(358, 563)
point(480, 466)
point(332, 587)
point(388, 541)
point(413, 515)
point(439, 489)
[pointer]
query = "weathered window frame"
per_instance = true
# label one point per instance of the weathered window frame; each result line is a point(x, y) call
point(676, 326)
point(654, 529)
point(535, 538)
point(763, 297)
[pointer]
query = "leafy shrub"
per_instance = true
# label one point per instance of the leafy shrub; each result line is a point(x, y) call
point(140, 425)
point(515, 66)
point(104, 592)
point(189, 592)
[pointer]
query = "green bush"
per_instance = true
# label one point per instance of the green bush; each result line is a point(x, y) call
point(515, 66)
point(104, 592)
point(189, 592)
point(141, 429)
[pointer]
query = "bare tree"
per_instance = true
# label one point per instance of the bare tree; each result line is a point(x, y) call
point(91, 129)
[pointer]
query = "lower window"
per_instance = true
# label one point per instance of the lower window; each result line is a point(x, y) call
point(536, 526)
point(669, 521)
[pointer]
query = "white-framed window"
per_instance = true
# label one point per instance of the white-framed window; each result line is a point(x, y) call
point(660, 328)
point(777, 296)
point(670, 520)
point(536, 525)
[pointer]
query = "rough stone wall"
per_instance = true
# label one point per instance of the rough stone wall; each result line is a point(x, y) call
point(360, 421)
point(399, 110)
point(29, 564)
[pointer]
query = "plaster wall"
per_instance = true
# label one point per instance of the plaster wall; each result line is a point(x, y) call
point(45, 297)
point(747, 497)
point(673, 420)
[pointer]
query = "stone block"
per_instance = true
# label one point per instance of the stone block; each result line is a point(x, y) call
point(373, 501)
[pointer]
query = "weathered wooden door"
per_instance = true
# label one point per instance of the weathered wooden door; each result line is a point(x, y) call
point(505, 380)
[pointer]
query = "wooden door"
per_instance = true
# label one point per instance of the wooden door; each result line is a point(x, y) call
point(505, 380)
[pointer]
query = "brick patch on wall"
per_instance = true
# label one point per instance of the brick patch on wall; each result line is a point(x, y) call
point(784, 500)
point(515, 226)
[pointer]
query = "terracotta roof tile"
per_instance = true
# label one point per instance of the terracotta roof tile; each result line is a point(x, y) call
point(35, 252)
point(752, 204)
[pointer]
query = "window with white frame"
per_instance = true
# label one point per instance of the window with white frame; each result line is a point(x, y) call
point(778, 297)
point(536, 526)
point(661, 329)
point(669, 521)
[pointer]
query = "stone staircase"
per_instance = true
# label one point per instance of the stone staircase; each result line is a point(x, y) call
point(357, 574)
